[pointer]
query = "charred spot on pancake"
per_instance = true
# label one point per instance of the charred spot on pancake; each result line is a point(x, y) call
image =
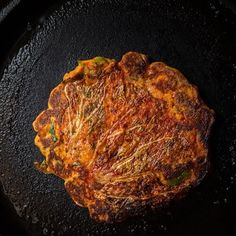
point(133, 64)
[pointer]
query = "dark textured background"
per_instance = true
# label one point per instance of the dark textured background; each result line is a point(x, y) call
point(39, 44)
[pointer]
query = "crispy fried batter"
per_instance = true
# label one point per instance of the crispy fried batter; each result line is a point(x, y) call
point(124, 135)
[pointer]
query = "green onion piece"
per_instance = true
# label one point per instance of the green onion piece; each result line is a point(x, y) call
point(178, 180)
point(53, 133)
point(99, 60)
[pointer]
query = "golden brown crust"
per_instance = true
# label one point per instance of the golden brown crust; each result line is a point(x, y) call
point(124, 135)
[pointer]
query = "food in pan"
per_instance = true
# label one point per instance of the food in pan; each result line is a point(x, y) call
point(124, 136)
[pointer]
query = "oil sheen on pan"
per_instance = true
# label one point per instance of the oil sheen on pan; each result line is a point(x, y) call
point(124, 136)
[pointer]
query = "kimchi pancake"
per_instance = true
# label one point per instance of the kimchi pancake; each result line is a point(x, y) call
point(124, 135)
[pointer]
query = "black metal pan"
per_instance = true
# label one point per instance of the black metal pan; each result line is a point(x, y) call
point(41, 40)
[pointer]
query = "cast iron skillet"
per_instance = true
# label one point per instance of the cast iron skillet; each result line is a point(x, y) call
point(197, 37)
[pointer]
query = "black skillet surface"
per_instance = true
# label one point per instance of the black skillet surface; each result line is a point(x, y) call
point(199, 38)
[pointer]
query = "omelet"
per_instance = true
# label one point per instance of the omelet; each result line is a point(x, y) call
point(124, 135)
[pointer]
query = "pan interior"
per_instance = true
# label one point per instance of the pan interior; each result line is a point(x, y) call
point(193, 39)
